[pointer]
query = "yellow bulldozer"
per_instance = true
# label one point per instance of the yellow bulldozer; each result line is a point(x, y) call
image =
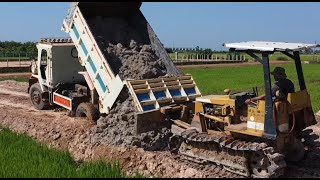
point(247, 139)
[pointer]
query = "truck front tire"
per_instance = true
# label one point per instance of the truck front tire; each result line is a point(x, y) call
point(36, 97)
point(87, 110)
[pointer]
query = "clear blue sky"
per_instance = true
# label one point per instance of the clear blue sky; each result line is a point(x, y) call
point(181, 24)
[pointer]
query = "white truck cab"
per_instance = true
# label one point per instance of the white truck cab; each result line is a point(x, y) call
point(57, 79)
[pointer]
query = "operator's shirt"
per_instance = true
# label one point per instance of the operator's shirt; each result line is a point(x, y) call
point(284, 85)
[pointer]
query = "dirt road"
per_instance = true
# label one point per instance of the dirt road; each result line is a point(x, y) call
point(57, 130)
point(12, 75)
point(15, 64)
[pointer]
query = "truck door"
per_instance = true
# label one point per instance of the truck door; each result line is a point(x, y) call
point(43, 66)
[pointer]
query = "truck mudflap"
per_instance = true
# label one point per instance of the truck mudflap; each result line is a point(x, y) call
point(62, 101)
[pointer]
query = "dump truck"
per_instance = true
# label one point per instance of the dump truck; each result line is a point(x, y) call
point(78, 74)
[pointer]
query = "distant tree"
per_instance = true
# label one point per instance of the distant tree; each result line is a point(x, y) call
point(169, 50)
point(207, 51)
point(308, 51)
point(18, 47)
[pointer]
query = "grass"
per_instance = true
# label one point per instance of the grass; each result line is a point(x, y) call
point(14, 58)
point(22, 157)
point(276, 56)
point(215, 80)
point(15, 78)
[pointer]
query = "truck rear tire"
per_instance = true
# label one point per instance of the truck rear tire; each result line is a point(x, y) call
point(87, 110)
point(36, 97)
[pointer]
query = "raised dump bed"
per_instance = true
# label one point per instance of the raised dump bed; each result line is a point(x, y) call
point(115, 43)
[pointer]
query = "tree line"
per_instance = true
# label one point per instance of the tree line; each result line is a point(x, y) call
point(18, 47)
point(194, 51)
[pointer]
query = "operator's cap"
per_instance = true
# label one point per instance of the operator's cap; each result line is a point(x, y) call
point(279, 72)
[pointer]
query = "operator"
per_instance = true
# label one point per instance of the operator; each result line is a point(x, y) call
point(282, 83)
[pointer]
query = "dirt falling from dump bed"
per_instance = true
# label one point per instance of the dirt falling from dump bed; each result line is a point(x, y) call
point(130, 55)
point(118, 128)
point(127, 52)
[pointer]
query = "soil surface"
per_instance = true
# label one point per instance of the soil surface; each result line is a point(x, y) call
point(15, 64)
point(57, 130)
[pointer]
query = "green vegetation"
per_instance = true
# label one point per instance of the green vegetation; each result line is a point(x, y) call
point(14, 58)
point(15, 51)
point(15, 78)
point(22, 157)
point(215, 80)
point(12, 46)
point(276, 56)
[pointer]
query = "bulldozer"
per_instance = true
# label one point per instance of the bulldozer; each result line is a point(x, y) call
point(247, 139)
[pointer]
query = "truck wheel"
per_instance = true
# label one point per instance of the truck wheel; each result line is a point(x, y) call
point(87, 110)
point(36, 97)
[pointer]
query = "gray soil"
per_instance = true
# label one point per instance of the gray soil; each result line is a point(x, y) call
point(128, 54)
point(118, 128)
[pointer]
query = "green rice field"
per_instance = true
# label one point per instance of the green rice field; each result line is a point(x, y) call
point(215, 80)
point(22, 157)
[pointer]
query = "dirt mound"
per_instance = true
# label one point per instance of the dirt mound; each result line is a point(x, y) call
point(118, 128)
point(136, 61)
point(131, 56)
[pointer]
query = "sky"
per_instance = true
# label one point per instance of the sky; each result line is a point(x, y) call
point(181, 24)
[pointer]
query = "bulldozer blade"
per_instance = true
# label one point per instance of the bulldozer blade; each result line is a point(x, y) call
point(196, 123)
point(176, 130)
point(149, 121)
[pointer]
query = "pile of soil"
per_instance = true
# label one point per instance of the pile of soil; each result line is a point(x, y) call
point(127, 52)
point(118, 128)
point(130, 55)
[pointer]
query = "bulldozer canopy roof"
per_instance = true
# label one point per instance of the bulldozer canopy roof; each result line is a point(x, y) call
point(269, 46)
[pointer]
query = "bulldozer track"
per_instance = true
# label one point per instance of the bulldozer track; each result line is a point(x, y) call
point(303, 171)
point(217, 170)
point(249, 159)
